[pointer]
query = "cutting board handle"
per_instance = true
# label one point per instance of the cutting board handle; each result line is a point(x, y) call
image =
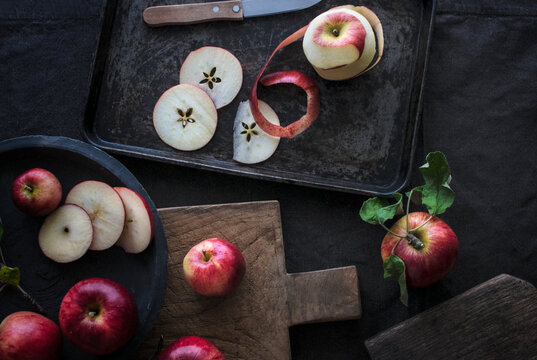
point(324, 295)
point(193, 13)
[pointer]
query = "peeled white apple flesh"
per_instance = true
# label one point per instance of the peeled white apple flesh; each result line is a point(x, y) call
point(250, 143)
point(66, 233)
point(105, 208)
point(215, 70)
point(138, 230)
point(341, 43)
point(185, 117)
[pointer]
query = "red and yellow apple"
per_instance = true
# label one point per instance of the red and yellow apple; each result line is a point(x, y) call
point(36, 192)
point(191, 348)
point(429, 252)
point(342, 42)
point(214, 267)
point(98, 316)
point(26, 335)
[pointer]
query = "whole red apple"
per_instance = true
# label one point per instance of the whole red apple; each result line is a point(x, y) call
point(26, 335)
point(36, 192)
point(98, 316)
point(429, 253)
point(191, 348)
point(214, 267)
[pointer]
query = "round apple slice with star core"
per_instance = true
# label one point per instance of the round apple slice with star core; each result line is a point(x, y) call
point(250, 143)
point(185, 117)
point(105, 208)
point(66, 234)
point(215, 70)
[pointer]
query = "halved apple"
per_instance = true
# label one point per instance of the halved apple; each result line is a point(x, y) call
point(185, 117)
point(66, 233)
point(105, 208)
point(138, 230)
point(215, 70)
point(341, 43)
point(250, 143)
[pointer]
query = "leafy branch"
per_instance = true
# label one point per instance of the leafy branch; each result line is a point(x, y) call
point(11, 276)
point(436, 195)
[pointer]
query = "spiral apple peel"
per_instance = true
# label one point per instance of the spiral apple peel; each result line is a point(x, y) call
point(341, 43)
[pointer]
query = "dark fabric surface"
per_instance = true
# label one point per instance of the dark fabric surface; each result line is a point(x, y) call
point(480, 109)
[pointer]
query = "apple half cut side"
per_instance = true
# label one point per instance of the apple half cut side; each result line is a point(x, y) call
point(139, 222)
point(342, 42)
point(185, 117)
point(66, 234)
point(216, 71)
point(251, 144)
point(105, 208)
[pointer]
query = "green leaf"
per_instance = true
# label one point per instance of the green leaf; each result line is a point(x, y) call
point(378, 210)
point(10, 275)
point(394, 269)
point(436, 194)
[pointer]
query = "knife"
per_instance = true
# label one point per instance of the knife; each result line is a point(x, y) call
point(220, 10)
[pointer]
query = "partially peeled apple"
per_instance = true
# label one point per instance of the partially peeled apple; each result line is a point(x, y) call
point(342, 42)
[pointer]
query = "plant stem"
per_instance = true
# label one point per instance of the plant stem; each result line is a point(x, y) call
point(31, 300)
point(397, 243)
point(2, 256)
point(2, 287)
point(424, 223)
point(391, 232)
point(408, 208)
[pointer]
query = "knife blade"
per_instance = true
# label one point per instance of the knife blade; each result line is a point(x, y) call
point(220, 10)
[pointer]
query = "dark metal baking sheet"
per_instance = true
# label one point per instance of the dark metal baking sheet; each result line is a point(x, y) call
point(362, 142)
point(72, 161)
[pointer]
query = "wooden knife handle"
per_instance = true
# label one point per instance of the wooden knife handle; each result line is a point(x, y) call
point(193, 13)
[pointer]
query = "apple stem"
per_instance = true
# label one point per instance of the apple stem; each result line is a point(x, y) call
point(206, 257)
point(415, 241)
point(28, 188)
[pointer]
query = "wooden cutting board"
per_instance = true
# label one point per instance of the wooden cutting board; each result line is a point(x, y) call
point(495, 320)
point(252, 322)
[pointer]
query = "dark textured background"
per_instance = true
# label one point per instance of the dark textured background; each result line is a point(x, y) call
point(480, 109)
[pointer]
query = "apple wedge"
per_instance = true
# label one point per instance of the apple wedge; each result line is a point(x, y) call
point(251, 144)
point(139, 223)
point(185, 117)
point(105, 208)
point(66, 233)
point(215, 70)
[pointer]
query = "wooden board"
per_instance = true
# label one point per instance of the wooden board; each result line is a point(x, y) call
point(495, 320)
point(252, 322)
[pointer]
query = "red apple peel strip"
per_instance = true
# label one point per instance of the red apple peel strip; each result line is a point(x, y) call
point(313, 100)
point(294, 77)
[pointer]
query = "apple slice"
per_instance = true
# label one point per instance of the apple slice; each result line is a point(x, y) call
point(185, 117)
point(215, 70)
point(250, 143)
point(105, 208)
point(138, 230)
point(66, 233)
